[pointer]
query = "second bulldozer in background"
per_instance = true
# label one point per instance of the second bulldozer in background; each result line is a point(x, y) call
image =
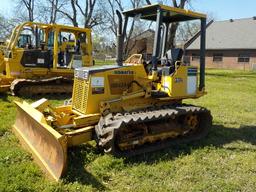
point(40, 58)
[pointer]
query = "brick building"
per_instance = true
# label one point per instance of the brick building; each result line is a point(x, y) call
point(229, 44)
point(142, 44)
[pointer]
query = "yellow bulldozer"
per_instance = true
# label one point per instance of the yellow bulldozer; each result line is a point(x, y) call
point(40, 58)
point(129, 108)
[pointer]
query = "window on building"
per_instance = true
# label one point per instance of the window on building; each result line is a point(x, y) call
point(217, 57)
point(195, 57)
point(243, 58)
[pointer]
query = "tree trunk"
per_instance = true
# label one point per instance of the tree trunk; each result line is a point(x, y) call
point(172, 35)
point(30, 5)
point(74, 18)
point(174, 26)
point(54, 5)
point(148, 2)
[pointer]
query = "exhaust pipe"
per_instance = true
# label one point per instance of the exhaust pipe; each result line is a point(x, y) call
point(120, 40)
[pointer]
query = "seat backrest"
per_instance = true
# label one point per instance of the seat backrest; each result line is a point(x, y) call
point(174, 55)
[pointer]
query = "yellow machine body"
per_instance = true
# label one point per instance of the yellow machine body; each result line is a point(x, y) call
point(41, 51)
point(110, 85)
point(96, 91)
point(124, 107)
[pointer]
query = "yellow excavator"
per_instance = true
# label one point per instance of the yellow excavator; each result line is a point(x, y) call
point(40, 58)
point(129, 108)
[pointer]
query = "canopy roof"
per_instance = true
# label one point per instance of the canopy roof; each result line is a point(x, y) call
point(63, 28)
point(170, 14)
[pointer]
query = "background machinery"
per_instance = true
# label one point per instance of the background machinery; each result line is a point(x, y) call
point(128, 108)
point(40, 58)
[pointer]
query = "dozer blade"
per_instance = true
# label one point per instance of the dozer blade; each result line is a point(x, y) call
point(48, 147)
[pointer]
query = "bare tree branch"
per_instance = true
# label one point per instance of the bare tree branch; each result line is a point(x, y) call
point(174, 26)
point(148, 2)
point(174, 2)
point(30, 7)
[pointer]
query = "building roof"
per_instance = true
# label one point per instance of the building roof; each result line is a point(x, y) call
point(144, 35)
point(230, 34)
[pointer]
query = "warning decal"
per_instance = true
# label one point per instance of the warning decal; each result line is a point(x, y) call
point(97, 84)
point(97, 81)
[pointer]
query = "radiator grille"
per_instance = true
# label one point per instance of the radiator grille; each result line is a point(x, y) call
point(80, 95)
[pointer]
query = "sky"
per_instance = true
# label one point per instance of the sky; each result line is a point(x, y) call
point(226, 9)
point(218, 9)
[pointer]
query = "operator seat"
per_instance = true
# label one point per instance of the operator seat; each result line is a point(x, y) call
point(169, 61)
point(173, 55)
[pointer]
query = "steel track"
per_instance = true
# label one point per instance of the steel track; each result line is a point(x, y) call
point(29, 87)
point(108, 127)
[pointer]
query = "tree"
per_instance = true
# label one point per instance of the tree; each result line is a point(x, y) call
point(85, 10)
point(6, 27)
point(90, 16)
point(49, 10)
point(110, 15)
point(173, 29)
point(54, 7)
point(30, 8)
point(70, 16)
point(186, 31)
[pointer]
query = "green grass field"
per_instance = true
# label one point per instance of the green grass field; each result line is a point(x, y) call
point(224, 161)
